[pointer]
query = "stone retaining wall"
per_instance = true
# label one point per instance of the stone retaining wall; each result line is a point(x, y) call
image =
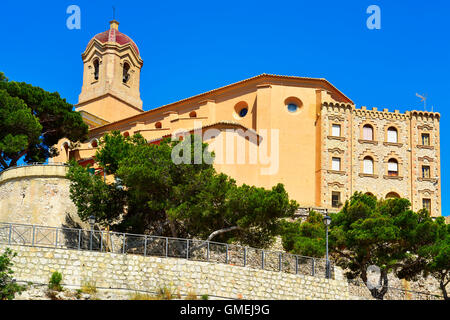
point(136, 272)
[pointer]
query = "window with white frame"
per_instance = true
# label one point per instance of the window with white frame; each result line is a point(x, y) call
point(368, 132)
point(336, 164)
point(336, 130)
point(392, 167)
point(392, 135)
point(368, 165)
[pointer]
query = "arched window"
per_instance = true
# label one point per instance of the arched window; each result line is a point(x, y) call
point(96, 69)
point(391, 195)
point(392, 135)
point(126, 75)
point(158, 125)
point(368, 165)
point(367, 132)
point(126, 134)
point(392, 167)
point(193, 114)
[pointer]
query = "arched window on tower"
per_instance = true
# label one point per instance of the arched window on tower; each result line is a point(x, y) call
point(126, 75)
point(96, 69)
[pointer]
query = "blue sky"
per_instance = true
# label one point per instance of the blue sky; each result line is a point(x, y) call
point(190, 47)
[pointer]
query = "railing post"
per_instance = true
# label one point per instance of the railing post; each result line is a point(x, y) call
point(10, 233)
point(207, 253)
point(145, 245)
point(296, 264)
point(313, 266)
point(32, 241)
point(262, 259)
point(56, 238)
point(79, 239)
point(101, 241)
point(123, 244)
point(245, 256)
point(226, 254)
point(167, 247)
point(187, 249)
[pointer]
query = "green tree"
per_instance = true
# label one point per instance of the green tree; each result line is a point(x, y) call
point(434, 259)
point(163, 196)
point(8, 287)
point(305, 238)
point(32, 121)
point(384, 233)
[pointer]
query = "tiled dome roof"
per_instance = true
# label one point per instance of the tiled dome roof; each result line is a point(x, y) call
point(114, 35)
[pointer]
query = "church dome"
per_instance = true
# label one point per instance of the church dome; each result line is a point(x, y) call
point(114, 35)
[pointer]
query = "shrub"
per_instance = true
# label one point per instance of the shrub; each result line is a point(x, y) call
point(55, 282)
point(8, 286)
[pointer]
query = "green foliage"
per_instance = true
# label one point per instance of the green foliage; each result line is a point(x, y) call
point(32, 121)
point(8, 287)
point(307, 238)
point(93, 196)
point(55, 281)
point(434, 259)
point(384, 233)
point(159, 196)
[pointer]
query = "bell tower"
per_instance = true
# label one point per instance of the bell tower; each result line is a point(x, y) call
point(111, 77)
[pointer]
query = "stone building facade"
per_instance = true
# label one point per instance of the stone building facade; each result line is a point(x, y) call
point(299, 131)
point(387, 154)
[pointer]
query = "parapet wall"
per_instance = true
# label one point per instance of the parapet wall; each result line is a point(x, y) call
point(36, 194)
point(136, 272)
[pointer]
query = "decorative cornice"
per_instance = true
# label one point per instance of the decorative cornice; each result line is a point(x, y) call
point(336, 138)
point(425, 126)
point(427, 179)
point(392, 177)
point(341, 173)
point(426, 191)
point(336, 150)
point(426, 158)
point(366, 175)
point(393, 144)
point(336, 184)
point(368, 141)
point(419, 146)
point(335, 118)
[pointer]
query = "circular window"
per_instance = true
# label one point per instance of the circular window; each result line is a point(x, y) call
point(292, 107)
point(243, 112)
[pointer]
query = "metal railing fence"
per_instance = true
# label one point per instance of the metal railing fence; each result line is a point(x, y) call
point(147, 245)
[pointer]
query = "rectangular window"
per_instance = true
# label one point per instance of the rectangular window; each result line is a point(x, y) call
point(425, 139)
point(336, 164)
point(392, 168)
point(335, 199)
point(368, 166)
point(426, 172)
point(367, 133)
point(336, 130)
point(392, 136)
point(427, 204)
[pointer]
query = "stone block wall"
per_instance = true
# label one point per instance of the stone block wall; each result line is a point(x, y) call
point(136, 272)
point(37, 194)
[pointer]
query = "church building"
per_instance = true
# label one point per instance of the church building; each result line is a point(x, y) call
point(268, 129)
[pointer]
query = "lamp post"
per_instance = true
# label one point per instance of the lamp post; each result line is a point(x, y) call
point(327, 221)
point(91, 223)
